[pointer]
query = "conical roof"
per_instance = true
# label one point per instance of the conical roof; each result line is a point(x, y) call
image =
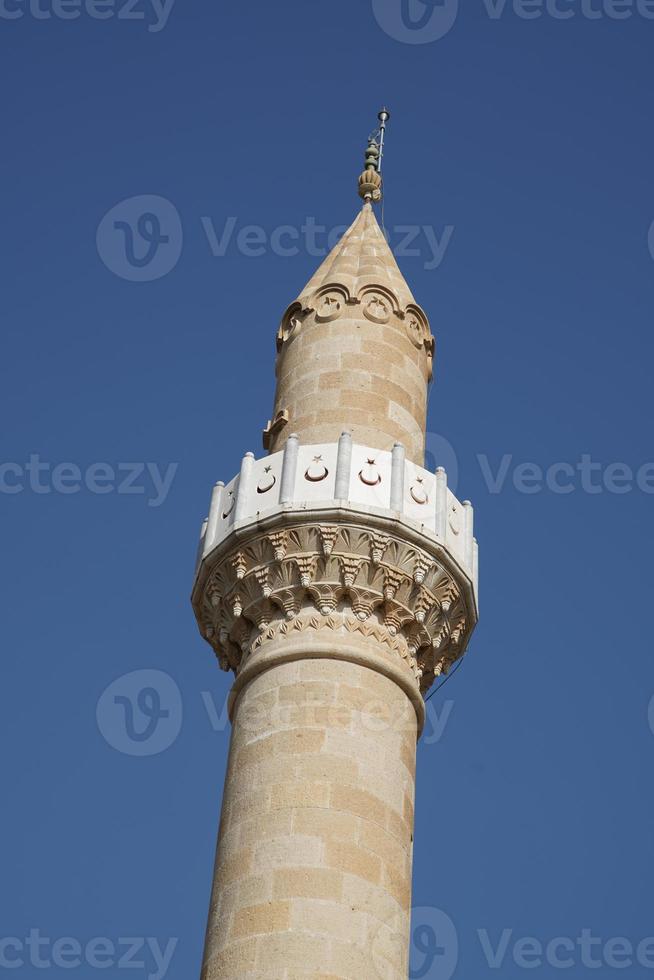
point(361, 258)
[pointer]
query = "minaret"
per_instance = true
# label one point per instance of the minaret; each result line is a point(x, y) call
point(337, 579)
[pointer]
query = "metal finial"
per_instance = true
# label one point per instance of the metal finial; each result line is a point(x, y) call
point(383, 117)
point(370, 181)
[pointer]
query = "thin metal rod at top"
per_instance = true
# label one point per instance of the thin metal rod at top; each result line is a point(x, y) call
point(383, 117)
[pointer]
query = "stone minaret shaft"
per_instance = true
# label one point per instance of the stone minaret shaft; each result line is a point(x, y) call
point(337, 579)
point(361, 351)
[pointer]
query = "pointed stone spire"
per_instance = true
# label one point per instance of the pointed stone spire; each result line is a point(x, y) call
point(355, 351)
point(361, 258)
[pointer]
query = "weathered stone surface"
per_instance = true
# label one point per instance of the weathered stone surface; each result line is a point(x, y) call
point(318, 865)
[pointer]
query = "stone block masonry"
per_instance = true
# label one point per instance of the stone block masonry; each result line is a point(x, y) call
point(337, 579)
point(314, 860)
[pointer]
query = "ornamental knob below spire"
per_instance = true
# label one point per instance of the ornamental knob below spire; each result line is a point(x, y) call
point(370, 184)
point(370, 181)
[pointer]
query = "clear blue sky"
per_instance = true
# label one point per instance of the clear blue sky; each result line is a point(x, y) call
point(532, 140)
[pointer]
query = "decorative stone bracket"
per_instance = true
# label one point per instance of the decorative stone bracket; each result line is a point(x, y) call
point(274, 426)
point(340, 577)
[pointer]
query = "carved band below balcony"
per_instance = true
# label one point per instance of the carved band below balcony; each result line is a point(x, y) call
point(346, 578)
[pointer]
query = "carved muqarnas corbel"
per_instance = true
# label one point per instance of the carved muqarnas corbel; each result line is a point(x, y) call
point(345, 578)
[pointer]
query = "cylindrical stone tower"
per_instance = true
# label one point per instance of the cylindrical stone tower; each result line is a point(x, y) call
point(336, 578)
point(354, 348)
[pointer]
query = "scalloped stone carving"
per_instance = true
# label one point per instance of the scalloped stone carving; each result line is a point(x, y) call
point(415, 330)
point(329, 307)
point(378, 310)
point(328, 537)
point(290, 327)
point(378, 545)
point(342, 578)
